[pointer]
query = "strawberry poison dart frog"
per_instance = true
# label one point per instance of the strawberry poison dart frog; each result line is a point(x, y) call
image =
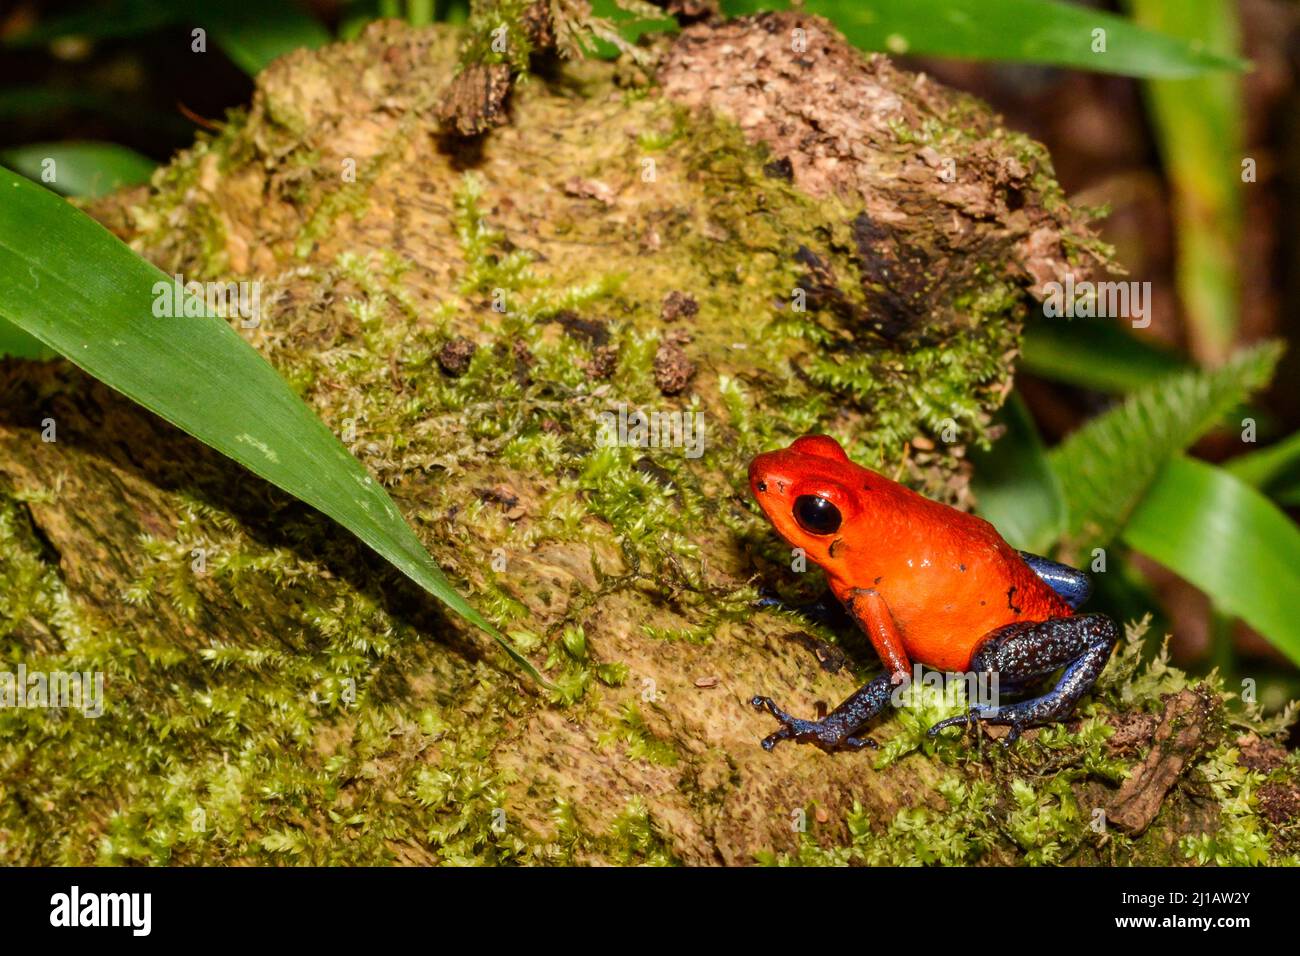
point(930, 584)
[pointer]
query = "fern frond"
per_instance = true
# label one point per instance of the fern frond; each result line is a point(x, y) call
point(1107, 465)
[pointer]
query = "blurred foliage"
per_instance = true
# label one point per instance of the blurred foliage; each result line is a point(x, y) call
point(79, 169)
point(1025, 31)
point(1098, 354)
point(1015, 485)
point(1106, 466)
point(1199, 125)
point(1124, 476)
point(252, 36)
point(1274, 470)
point(1229, 540)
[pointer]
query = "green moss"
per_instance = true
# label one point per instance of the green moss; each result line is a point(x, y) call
point(171, 212)
point(630, 729)
point(189, 778)
point(31, 593)
point(1242, 839)
point(634, 838)
point(495, 34)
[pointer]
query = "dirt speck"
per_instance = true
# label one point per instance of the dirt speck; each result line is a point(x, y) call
point(678, 305)
point(673, 370)
point(455, 356)
point(1260, 755)
point(1279, 802)
point(506, 497)
point(603, 363)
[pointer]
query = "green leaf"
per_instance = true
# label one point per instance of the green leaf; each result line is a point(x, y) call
point(1106, 466)
point(51, 103)
point(419, 13)
point(1100, 354)
point(1274, 470)
point(1014, 485)
point(1220, 534)
point(629, 25)
point(1026, 31)
point(82, 169)
point(1199, 124)
point(254, 36)
point(70, 283)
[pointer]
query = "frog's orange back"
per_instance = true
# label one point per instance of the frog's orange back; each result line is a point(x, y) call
point(948, 577)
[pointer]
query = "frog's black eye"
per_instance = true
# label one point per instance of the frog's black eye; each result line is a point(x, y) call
point(816, 515)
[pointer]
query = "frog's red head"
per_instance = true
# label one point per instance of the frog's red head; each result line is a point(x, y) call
point(817, 499)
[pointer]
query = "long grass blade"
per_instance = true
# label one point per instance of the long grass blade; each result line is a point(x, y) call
point(70, 283)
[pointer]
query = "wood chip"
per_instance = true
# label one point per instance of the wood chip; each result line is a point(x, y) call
point(1178, 740)
point(475, 100)
point(590, 189)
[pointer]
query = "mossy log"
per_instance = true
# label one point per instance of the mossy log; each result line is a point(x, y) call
point(763, 227)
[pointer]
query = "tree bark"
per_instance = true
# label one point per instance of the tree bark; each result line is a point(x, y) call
point(766, 228)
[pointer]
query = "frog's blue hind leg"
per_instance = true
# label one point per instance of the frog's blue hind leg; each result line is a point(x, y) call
point(1074, 586)
point(1021, 652)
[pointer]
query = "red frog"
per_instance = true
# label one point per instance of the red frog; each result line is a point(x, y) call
point(930, 584)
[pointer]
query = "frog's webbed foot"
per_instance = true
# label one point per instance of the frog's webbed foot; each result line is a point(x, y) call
point(829, 734)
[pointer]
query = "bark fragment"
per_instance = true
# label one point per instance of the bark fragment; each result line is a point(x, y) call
point(476, 99)
point(678, 305)
point(932, 170)
point(1180, 738)
point(475, 102)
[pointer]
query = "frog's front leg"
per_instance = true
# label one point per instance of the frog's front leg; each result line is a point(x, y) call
point(868, 608)
point(1023, 652)
point(839, 729)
